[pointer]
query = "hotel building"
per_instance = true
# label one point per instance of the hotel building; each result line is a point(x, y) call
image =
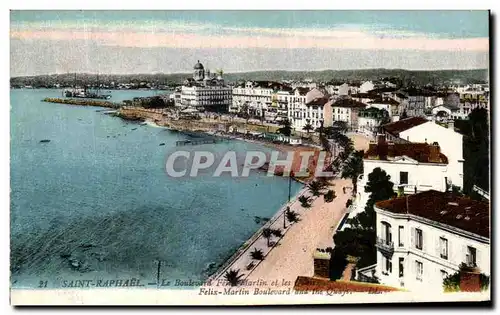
point(423, 238)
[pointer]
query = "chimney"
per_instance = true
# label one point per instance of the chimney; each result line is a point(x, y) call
point(434, 152)
point(470, 280)
point(322, 263)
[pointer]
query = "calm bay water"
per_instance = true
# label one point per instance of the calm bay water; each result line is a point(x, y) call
point(96, 203)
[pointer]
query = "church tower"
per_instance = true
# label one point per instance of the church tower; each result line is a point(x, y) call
point(199, 72)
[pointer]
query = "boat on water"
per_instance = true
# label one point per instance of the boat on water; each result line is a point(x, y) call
point(76, 92)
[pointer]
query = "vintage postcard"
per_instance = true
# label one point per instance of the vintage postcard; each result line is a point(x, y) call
point(249, 157)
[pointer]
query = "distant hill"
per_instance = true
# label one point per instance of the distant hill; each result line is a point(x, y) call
point(415, 77)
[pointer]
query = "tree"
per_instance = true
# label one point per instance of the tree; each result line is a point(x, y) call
point(305, 202)
point(244, 112)
point(353, 168)
point(359, 239)
point(315, 187)
point(329, 196)
point(476, 143)
point(380, 188)
point(233, 277)
point(267, 233)
point(452, 282)
point(308, 127)
point(277, 232)
point(286, 128)
point(257, 254)
point(340, 126)
point(292, 216)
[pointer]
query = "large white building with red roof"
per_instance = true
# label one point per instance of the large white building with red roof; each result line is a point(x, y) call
point(412, 167)
point(423, 238)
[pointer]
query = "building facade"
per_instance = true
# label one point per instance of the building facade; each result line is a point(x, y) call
point(450, 143)
point(423, 238)
point(206, 91)
point(412, 167)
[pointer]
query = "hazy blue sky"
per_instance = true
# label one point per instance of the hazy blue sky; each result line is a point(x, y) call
point(172, 41)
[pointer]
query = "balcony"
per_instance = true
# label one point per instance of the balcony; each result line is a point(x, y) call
point(385, 245)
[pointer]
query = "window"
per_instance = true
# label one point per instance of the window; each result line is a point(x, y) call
point(419, 266)
point(401, 266)
point(419, 240)
point(386, 233)
point(403, 178)
point(444, 274)
point(401, 236)
point(470, 257)
point(443, 246)
point(388, 265)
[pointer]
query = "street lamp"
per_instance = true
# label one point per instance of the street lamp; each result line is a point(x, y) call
point(289, 197)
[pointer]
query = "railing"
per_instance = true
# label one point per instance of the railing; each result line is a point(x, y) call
point(385, 245)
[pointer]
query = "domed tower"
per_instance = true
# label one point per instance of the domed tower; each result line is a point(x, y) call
point(199, 72)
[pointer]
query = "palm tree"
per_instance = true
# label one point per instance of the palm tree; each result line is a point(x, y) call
point(305, 201)
point(353, 168)
point(292, 216)
point(329, 196)
point(267, 233)
point(257, 254)
point(315, 188)
point(233, 277)
point(308, 127)
point(277, 233)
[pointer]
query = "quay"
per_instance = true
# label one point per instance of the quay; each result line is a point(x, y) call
point(82, 102)
point(181, 143)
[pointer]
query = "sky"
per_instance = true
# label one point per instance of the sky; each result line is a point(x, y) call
point(125, 42)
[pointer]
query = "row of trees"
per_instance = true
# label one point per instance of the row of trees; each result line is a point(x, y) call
point(317, 188)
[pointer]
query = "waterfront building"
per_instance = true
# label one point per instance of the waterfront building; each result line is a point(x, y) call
point(413, 167)
point(206, 91)
point(262, 99)
point(346, 109)
point(297, 109)
point(310, 108)
point(423, 238)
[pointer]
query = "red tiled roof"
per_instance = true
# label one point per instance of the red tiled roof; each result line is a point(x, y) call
point(316, 284)
point(348, 102)
point(444, 207)
point(396, 127)
point(421, 152)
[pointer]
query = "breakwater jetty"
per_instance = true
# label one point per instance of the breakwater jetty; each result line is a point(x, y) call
point(200, 141)
point(82, 102)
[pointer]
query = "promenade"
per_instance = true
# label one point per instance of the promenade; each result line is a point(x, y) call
point(292, 255)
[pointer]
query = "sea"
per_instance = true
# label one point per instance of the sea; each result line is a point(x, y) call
point(95, 203)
